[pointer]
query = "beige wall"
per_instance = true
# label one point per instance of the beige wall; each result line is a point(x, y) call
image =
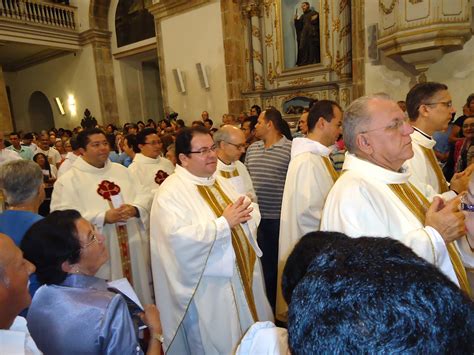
point(70, 74)
point(455, 69)
point(189, 38)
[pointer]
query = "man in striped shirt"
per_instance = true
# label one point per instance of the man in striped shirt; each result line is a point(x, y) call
point(267, 161)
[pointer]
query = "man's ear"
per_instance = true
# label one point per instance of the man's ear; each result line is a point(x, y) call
point(82, 151)
point(66, 267)
point(183, 158)
point(363, 144)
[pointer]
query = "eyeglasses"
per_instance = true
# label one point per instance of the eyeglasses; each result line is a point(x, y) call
point(92, 238)
point(204, 151)
point(465, 205)
point(448, 104)
point(468, 125)
point(238, 146)
point(154, 143)
point(396, 124)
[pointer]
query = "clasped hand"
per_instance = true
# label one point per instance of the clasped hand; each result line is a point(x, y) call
point(238, 212)
point(121, 214)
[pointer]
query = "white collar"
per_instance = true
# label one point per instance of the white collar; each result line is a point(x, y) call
point(225, 167)
point(303, 145)
point(185, 174)
point(421, 138)
point(84, 166)
point(372, 171)
point(142, 159)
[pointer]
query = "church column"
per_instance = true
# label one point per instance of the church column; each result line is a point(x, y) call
point(342, 62)
point(100, 42)
point(253, 11)
point(6, 123)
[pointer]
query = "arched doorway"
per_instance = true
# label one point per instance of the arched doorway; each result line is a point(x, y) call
point(40, 112)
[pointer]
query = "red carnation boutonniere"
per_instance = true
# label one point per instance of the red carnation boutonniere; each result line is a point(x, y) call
point(160, 176)
point(107, 189)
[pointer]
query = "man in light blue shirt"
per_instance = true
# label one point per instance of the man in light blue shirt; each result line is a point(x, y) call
point(25, 152)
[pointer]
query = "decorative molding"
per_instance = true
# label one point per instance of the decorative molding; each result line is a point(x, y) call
point(257, 56)
point(269, 40)
point(415, 1)
point(166, 8)
point(300, 81)
point(256, 32)
point(136, 50)
point(387, 10)
point(95, 36)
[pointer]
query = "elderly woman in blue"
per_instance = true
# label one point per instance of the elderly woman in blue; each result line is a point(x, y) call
point(74, 313)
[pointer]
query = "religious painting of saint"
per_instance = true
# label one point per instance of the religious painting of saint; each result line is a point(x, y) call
point(301, 32)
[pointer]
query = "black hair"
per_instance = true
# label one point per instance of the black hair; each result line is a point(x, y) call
point(132, 142)
point(307, 248)
point(184, 138)
point(50, 242)
point(376, 296)
point(141, 136)
point(83, 136)
point(257, 108)
point(253, 121)
point(46, 162)
point(421, 94)
point(321, 108)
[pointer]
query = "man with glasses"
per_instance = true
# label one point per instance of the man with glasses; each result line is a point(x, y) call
point(149, 168)
point(373, 196)
point(107, 195)
point(205, 259)
point(430, 109)
point(230, 144)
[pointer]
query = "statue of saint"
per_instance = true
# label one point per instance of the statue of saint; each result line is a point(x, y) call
point(307, 35)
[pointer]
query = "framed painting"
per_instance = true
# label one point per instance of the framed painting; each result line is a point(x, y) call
point(300, 33)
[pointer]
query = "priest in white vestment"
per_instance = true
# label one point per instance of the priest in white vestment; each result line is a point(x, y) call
point(230, 144)
point(373, 197)
point(148, 167)
point(309, 178)
point(430, 109)
point(107, 196)
point(206, 271)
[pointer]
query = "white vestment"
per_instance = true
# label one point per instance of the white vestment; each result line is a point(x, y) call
point(264, 338)
point(419, 166)
point(7, 155)
point(362, 204)
point(78, 189)
point(242, 182)
point(422, 173)
point(203, 308)
point(307, 185)
point(67, 163)
point(150, 172)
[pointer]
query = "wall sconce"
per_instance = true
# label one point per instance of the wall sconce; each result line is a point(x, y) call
point(178, 77)
point(60, 105)
point(71, 102)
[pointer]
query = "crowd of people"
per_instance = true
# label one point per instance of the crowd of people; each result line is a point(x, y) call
point(243, 238)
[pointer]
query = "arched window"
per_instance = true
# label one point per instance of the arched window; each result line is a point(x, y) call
point(133, 22)
point(40, 112)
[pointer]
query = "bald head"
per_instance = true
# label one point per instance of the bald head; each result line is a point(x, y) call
point(14, 273)
point(230, 142)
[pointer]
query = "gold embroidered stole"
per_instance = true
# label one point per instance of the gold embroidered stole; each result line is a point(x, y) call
point(245, 255)
point(330, 168)
point(417, 203)
point(124, 249)
point(429, 154)
point(229, 174)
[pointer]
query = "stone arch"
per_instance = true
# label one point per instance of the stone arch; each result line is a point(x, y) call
point(40, 112)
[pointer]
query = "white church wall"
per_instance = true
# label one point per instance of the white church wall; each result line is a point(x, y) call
point(60, 77)
point(192, 37)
